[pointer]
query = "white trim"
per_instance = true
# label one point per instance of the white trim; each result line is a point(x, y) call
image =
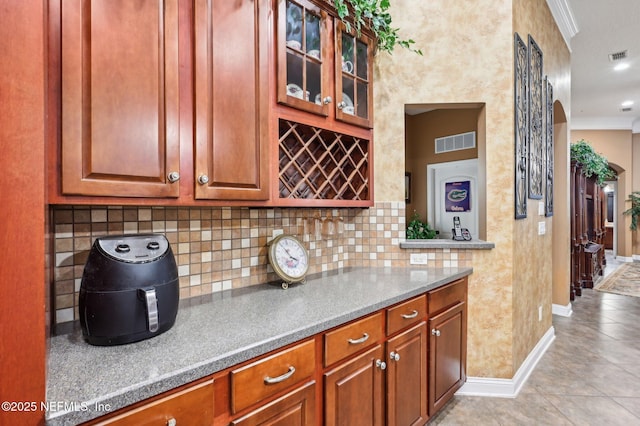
point(509, 388)
point(602, 123)
point(565, 21)
point(563, 311)
point(627, 258)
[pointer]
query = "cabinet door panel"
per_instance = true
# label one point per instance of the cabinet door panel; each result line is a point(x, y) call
point(447, 355)
point(354, 391)
point(296, 408)
point(120, 97)
point(407, 378)
point(231, 95)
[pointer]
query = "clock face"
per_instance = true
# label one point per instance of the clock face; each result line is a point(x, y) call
point(289, 258)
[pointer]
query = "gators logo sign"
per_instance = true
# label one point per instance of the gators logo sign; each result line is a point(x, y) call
point(457, 196)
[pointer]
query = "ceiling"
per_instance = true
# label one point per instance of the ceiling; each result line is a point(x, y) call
point(599, 28)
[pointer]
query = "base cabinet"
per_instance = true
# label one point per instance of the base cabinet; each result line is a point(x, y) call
point(407, 377)
point(447, 355)
point(354, 391)
point(295, 408)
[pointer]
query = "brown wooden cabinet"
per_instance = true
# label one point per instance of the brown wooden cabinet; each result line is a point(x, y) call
point(120, 98)
point(354, 390)
point(192, 405)
point(231, 100)
point(407, 377)
point(447, 343)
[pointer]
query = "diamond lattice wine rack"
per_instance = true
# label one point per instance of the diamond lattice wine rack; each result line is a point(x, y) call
point(318, 164)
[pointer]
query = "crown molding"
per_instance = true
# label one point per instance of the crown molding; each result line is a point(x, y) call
point(605, 123)
point(563, 15)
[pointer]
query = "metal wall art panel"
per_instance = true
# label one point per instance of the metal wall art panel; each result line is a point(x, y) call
point(536, 130)
point(548, 200)
point(521, 119)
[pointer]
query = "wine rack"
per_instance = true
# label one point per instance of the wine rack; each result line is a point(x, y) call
point(315, 163)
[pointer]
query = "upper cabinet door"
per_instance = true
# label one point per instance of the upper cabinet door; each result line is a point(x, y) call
point(231, 99)
point(304, 52)
point(354, 77)
point(120, 98)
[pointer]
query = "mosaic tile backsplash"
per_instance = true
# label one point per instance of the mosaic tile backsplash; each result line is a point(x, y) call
point(220, 248)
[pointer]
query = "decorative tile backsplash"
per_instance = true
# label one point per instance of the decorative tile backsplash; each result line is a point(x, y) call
point(219, 248)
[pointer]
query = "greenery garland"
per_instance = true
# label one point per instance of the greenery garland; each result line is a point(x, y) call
point(373, 14)
point(592, 162)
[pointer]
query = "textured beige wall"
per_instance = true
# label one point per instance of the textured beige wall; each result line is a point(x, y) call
point(617, 147)
point(468, 57)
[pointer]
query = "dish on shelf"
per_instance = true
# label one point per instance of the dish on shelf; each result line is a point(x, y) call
point(347, 100)
point(318, 99)
point(295, 91)
point(315, 53)
point(294, 44)
point(348, 110)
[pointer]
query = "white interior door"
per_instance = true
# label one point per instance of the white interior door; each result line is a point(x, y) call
point(452, 190)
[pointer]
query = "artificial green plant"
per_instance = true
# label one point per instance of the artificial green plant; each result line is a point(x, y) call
point(373, 14)
point(592, 162)
point(419, 230)
point(634, 210)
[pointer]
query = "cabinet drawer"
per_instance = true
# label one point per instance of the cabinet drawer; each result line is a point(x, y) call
point(268, 376)
point(191, 406)
point(447, 295)
point(406, 314)
point(352, 338)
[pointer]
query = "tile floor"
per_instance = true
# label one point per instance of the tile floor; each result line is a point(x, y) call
point(590, 375)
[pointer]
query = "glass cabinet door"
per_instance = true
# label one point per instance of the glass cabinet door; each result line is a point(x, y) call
point(302, 63)
point(354, 94)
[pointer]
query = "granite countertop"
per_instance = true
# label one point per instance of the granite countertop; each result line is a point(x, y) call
point(85, 381)
point(447, 244)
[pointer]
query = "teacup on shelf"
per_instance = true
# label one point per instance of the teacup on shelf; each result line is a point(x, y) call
point(315, 53)
point(347, 66)
point(295, 91)
point(348, 110)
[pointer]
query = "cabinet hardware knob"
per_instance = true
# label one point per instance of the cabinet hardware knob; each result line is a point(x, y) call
point(327, 100)
point(381, 364)
point(411, 315)
point(172, 422)
point(173, 177)
point(394, 356)
point(342, 105)
point(435, 332)
point(273, 380)
point(363, 339)
point(203, 179)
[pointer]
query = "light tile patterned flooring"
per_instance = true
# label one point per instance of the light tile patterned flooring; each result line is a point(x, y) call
point(590, 375)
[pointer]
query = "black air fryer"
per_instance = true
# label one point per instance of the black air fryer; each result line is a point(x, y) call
point(129, 289)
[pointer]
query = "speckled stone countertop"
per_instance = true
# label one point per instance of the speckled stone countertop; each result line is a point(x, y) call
point(447, 244)
point(228, 328)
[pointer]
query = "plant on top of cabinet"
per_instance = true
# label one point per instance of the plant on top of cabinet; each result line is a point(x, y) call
point(374, 15)
point(592, 162)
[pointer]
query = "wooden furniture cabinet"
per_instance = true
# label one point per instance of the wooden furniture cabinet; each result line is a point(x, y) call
point(354, 390)
point(447, 343)
point(397, 366)
point(323, 111)
point(161, 100)
point(192, 405)
point(119, 98)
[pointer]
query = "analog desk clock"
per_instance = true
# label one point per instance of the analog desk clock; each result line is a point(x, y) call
point(289, 259)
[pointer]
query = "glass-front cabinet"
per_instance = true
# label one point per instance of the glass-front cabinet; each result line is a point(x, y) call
point(320, 69)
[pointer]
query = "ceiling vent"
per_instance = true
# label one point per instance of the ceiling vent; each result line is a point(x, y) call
point(617, 56)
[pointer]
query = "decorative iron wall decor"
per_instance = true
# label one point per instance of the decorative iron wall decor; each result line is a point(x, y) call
point(521, 119)
point(536, 130)
point(548, 199)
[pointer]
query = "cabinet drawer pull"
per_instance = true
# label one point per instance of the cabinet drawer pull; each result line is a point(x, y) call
point(172, 422)
point(273, 380)
point(435, 332)
point(363, 339)
point(411, 315)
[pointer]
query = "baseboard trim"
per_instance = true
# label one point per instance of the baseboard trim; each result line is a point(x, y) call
point(627, 259)
point(563, 311)
point(509, 388)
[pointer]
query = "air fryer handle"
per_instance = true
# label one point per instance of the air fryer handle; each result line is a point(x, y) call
point(151, 306)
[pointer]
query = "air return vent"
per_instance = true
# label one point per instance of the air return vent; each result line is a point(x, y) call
point(456, 142)
point(617, 56)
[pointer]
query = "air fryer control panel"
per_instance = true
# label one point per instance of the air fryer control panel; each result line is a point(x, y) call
point(135, 248)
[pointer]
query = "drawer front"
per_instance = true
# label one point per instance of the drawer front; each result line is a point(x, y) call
point(191, 406)
point(265, 377)
point(406, 314)
point(447, 295)
point(352, 338)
